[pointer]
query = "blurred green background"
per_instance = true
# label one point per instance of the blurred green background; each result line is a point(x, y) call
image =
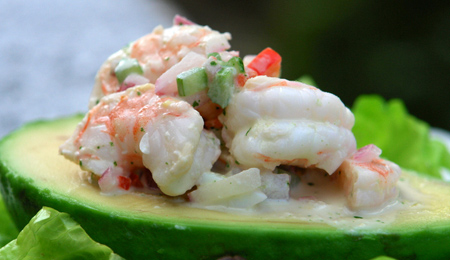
point(398, 49)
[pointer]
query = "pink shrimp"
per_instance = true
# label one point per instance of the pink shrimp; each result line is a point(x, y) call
point(156, 53)
point(272, 121)
point(368, 180)
point(138, 129)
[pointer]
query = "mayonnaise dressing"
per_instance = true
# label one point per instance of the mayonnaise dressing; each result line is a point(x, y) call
point(318, 198)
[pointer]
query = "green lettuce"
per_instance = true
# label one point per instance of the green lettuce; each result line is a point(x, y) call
point(8, 230)
point(54, 235)
point(307, 80)
point(383, 258)
point(403, 138)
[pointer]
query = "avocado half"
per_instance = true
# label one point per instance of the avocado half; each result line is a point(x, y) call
point(143, 226)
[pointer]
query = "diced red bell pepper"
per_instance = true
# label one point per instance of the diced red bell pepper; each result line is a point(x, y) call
point(241, 79)
point(124, 182)
point(267, 62)
point(135, 180)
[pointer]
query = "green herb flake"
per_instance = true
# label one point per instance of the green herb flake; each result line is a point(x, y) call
point(139, 93)
point(236, 162)
point(142, 129)
point(359, 217)
point(111, 143)
point(248, 131)
point(195, 104)
point(115, 163)
point(81, 163)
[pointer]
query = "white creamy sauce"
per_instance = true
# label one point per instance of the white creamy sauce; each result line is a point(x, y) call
point(316, 198)
point(319, 199)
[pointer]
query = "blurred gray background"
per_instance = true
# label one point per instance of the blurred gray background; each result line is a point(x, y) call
point(51, 50)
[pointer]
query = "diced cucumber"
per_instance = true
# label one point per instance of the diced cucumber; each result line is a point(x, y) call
point(236, 63)
point(222, 84)
point(222, 87)
point(126, 67)
point(215, 55)
point(192, 81)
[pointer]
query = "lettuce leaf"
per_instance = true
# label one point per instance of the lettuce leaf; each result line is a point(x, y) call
point(307, 80)
point(8, 230)
point(54, 235)
point(383, 258)
point(403, 138)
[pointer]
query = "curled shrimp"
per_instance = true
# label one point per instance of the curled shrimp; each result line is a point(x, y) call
point(184, 45)
point(138, 129)
point(273, 121)
point(368, 180)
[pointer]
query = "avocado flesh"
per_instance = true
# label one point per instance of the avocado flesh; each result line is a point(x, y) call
point(138, 226)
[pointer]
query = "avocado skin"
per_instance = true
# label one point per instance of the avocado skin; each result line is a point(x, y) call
point(160, 238)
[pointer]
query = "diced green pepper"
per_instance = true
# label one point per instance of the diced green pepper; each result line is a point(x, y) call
point(222, 87)
point(192, 81)
point(126, 67)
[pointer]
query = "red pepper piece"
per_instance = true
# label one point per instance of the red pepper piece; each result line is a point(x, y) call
point(124, 182)
point(135, 180)
point(267, 62)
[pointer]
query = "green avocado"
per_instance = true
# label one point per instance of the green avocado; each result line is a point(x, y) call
point(144, 226)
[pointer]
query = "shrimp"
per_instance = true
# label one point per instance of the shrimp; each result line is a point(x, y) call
point(173, 50)
point(273, 121)
point(138, 129)
point(368, 180)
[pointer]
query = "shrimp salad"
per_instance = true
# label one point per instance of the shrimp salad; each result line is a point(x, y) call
point(176, 113)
